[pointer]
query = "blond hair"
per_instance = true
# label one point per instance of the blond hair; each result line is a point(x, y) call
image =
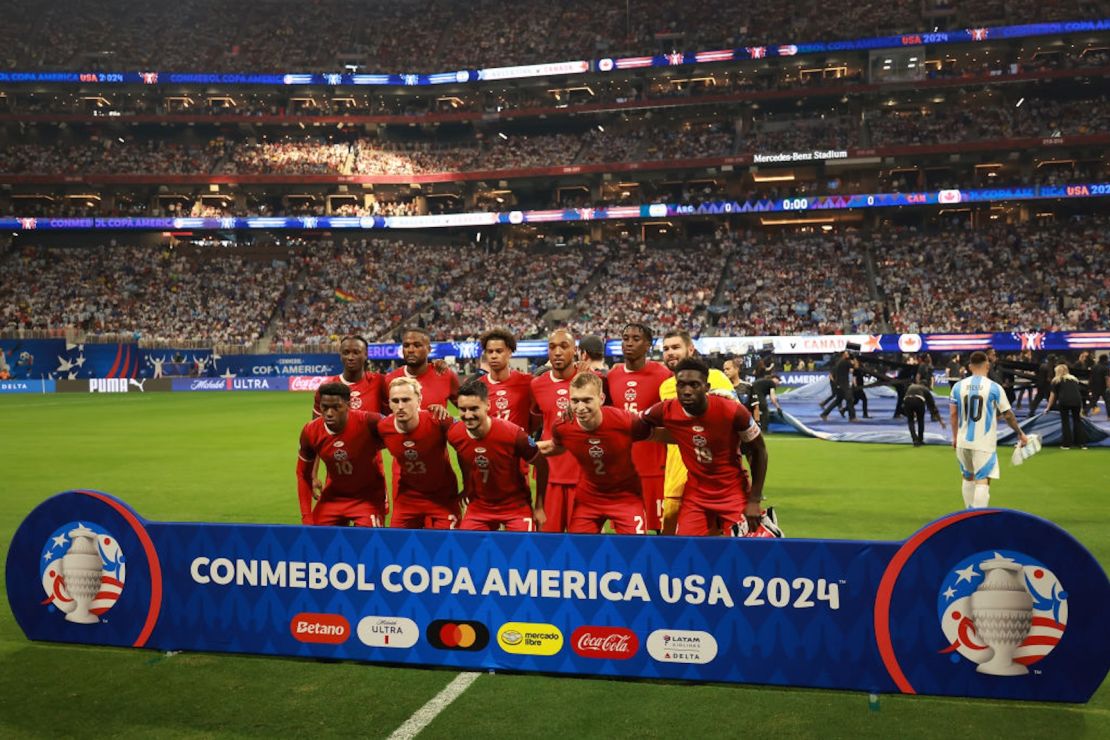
point(1062, 374)
point(588, 380)
point(410, 382)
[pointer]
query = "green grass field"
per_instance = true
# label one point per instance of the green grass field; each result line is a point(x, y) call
point(232, 457)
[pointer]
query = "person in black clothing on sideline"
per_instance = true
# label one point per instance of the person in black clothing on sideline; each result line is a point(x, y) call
point(918, 398)
point(858, 380)
point(1097, 385)
point(907, 374)
point(1044, 383)
point(955, 371)
point(842, 377)
point(763, 394)
point(1067, 392)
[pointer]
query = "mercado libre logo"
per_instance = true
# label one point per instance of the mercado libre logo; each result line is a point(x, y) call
point(1002, 610)
point(82, 570)
point(457, 635)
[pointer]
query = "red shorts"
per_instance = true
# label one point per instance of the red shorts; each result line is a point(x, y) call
point(700, 515)
point(591, 510)
point(652, 489)
point(558, 501)
point(339, 512)
point(413, 510)
point(515, 515)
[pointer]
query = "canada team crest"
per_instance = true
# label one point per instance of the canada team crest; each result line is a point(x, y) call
point(1003, 611)
point(83, 570)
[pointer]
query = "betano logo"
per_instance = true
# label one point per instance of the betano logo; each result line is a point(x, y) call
point(530, 638)
point(457, 635)
point(388, 632)
point(327, 629)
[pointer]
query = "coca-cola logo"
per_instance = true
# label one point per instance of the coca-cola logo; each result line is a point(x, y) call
point(616, 643)
point(306, 382)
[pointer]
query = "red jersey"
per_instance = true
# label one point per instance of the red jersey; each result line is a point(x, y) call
point(435, 388)
point(511, 399)
point(636, 391)
point(604, 454)
point(491, 465)
point(709, 443)
point(552, 397)
point(366, 393)
point(422, 456)
point(349, 456)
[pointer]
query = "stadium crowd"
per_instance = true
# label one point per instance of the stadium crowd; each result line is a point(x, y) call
point(439, 35)
point(1033, 276)
point(365, 286)
point(1053, 277)
point(153, 294)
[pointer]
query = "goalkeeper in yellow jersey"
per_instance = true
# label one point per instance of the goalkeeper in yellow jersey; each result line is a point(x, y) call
point(677, 346)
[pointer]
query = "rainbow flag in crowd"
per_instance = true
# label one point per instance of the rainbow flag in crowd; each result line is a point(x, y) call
point(345, 297)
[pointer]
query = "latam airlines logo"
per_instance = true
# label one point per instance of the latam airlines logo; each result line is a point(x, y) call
point(83, 570)
point(1003, 611)
point(682, 646)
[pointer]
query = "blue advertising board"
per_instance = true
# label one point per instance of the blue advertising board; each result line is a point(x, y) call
point(27, 386)
point(985, 603)
point(229, 384)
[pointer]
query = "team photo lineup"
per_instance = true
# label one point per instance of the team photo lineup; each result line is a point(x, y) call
point(653, 368)
point(667, 457)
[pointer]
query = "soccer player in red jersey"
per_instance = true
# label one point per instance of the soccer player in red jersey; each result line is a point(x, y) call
point(510, 391)
point(634, 385)
point(427, 494)
point(438, 385)
point(348, 443)
point(551, 394)
point(367, 388)
point(600, 438)
point(491, 452)
point(710, 432)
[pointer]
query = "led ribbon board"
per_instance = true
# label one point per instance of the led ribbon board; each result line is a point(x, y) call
point(557, 69)
point(987, 603)
point(822, 203)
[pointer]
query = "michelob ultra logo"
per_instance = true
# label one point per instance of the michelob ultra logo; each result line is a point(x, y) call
point(390, 632)
point(530, 638)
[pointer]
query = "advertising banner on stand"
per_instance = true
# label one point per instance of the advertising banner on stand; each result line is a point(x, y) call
point(984, 603)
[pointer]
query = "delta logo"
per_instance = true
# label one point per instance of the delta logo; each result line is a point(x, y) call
point(615, 643)
point(530, 638)
point(464, 635)
point(325, 629)
point(682, 646)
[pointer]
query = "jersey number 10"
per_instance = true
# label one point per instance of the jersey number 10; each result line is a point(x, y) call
point(973, 408)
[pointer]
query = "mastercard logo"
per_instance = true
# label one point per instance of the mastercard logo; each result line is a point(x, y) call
point(457, 635)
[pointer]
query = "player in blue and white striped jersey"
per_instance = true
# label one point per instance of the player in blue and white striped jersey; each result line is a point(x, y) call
point(977, 404)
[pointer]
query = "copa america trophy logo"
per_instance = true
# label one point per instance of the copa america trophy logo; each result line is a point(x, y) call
point(1002, 610)
point(83, 570)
